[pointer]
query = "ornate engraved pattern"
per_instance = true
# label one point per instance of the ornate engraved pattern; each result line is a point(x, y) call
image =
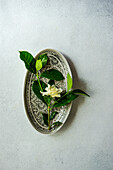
point(34, 106)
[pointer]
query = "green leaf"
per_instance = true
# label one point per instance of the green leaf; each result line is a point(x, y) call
point(45, 118)
point(43, 58)
point(53, 75)
point(47, 99)
point(36, 89)
point(69, 82)
point(44, 85)
point(53, 114)
point(28, 60)
point(80, 92)
point(66, 99)
point(38, 65)
point(51, 82)
point(56, 124)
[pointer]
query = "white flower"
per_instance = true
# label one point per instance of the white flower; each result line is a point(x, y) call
point(52, 91)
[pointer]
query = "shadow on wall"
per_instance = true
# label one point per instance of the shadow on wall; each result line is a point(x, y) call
point(77, 84)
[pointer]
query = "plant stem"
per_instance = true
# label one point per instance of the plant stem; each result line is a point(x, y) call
point(39, 81)
point(48, 117)
point(58, 100)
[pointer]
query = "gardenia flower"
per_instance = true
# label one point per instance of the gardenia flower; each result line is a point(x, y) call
point(52, 91)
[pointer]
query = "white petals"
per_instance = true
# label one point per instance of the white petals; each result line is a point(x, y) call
point(52, 91)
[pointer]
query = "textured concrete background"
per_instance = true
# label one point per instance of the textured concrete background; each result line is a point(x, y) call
point(83, 31)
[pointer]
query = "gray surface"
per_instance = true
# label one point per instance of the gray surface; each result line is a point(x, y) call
point(83, 31)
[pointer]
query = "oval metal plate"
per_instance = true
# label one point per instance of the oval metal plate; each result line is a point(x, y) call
point(35, 106)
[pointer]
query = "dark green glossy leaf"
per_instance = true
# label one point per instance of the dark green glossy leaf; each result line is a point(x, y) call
point(43, 58)
point(47, 99)
point(51, 82)
point(56, 124)
point(66, 99)
point(36, 89)
point(80, 92)
point(53, 75)
point(44, 85)
point(45, 118)
point(28, 60)
point(53, 114)
point(69, 82)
